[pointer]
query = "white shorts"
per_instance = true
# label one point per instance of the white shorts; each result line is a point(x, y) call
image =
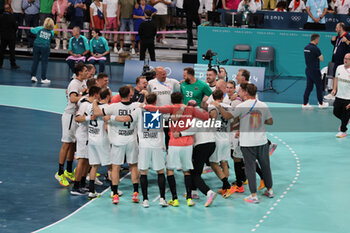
point(208, 5)
point(237, 153)
point(69, 126)
point(222, 152)
point(82, 149)
point(179, 157)
point(146, 155)
point(99, 154)
point(129, 150)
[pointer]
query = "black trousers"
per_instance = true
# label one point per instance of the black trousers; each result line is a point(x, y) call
point(11, 43)
point(150, 48)
point(191, 16)
point(313, 77)
point(341, 112)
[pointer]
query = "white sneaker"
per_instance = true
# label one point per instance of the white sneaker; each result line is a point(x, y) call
point(120, 51)
point(329, 97)
point(57, 47)
point(133, 52)
point(195, 194)
point(45, 81)
point(120, 193)
point(115, 50)
point(211, 195)
point(162, 202)
point(307, 106)
point(164, 42)
point(34, 80)
point(145, 203)
point(93, 195)
point(98, 182)
point(341, 134)
point(323, 105)
point(269, 193)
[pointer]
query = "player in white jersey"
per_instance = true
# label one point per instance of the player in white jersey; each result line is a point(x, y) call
point(223, 146)
point(220, 85)
point(122, 136)
point(84, 117)
point(74, 93)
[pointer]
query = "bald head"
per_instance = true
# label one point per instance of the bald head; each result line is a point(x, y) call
point(221, 85)
point(161, 74)
point(347, 60)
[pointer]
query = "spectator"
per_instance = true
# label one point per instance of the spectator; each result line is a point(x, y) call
point(208, 6)
point(96, 15)
point(281, 6)
point(161, 18)
point(139, 15)
point(342, 7)
point(230, 4)
point(297, 6)
point(341, 44)
point(44, 34)
point(31, 17)
point(269, 4)
point(180, 13)
point(316, 12)
point(124, 13)
point(147, 32)
point(2, 6)
point(8, 28)
point(45, 10)
point(110, 8)
point(246, 6)
point(98, 49)
point(78, 17)
point(16, 6)
point(331, 7)
point(59, 9)
point(78, 48)
point(191, 9)
point(258, 4)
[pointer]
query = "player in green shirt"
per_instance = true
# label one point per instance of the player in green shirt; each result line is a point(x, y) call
point(193, 88)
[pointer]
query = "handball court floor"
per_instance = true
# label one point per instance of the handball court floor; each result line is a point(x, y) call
point(310, 171)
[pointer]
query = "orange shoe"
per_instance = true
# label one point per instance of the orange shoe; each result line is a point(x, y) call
point(135, 197)
point(115, 199)
point(245, 182)
point(262, 185)
point(220, 191)
point(230, 191)
point(239, 189)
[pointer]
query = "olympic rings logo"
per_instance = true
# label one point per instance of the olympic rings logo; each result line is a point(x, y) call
point(348, 20)
point(296, 18)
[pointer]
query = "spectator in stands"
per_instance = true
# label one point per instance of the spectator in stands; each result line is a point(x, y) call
point(269, 4)
point(180, 13)
point(246, 6)
point(208, 6)
point(110, 8)
point(342, 7)
point(96, 15)
point(147, 33)
point(124, 13)
point(341, 44)
point(230, 4)
point(161, 18)
point(316, 12)
point(78, 17)
point(2, 6)
point(281, 6)
point(99, 49)
point(258, 4)
point(8, 28)
point(45, 10)
point(16, 6)
point(331, 7)
point(139, 15)
point(78, 48)
point(191, 9)
point(31, 17)
point(59, 8)
point(297, 6)
point(41, 49)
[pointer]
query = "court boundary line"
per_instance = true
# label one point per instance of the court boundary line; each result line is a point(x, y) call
point(31, 108)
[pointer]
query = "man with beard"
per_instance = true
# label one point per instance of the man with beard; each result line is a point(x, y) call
point(341, 44)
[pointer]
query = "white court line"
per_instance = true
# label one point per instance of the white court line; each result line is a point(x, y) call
point(155, 199)
point(30, 108)
point(78, 210)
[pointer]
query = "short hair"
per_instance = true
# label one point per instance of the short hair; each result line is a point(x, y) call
point(176, 97)
point(104, 93)
point(151, 98)
point(91, 82)
point(214, 70)
point(314, 36)
point(217, 94)
point(231, 82)
point(245, 74)
point(94, 90)
point(78, 68)
point(250, 88)
point(90, 67)
point(77, 28)
point(124, 91)
point(342, 25)
point(96, 30)
point(138, 79)
point(49, 24)
point(189, 70)
point(148, 13)
point(101, 76)
point(130, 87)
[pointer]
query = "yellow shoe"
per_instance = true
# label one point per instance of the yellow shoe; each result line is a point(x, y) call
point(98, 174)
point(245, 182)
point(69, 175)
point(62, 179)
point(174, 203)
point(230, 191)
point(190, 202)
point(262, 185)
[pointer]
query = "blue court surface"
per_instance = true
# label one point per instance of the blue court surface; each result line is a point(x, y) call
point(310, 171)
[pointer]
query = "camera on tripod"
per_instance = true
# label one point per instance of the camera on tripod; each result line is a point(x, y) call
point(147, 72)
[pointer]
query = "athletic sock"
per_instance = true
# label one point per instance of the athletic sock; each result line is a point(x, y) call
point(172, 186)
point(114, 189)
point(258, 170)
point(60, 169)
point(92, 186)
point(188, 181)
point(144, 186)
point(83, 181)
point(136, 187)
point(161, 185)
point(225, 183)
point(76, 185)
point(69, 166)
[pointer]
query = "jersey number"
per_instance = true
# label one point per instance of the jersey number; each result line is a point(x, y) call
point(127, 124)
point(189, 94)
point(93, 123)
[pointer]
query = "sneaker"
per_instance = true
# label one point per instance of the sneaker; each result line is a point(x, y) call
point(45, 81)
point(174, 203)
point(115, 50)
point(133, 52)
point(115, 199)
point(164, 42)
point(329, 97)
point(162, 202)
point(195, 194)
point(207, 169)
point(97, 181)
point(272, 148)
point(251, 199)
point(120, 51)
point(120, 193)
point(145, 203)
point(190, 202)
point(245, 182)
point(135, 197)
point(15, 67)
point(269, 193)
point(239, 189)
point(78, 192)
point(306, 106)
point(69, 175)
point(341, 134)
point(34, 79)
point(229, 192)
point(323, 105)
point(93, 195)
point(98, 174)
point(262, 185)
point(85, 189)
point(221, 191)
point(210, 198)
point(62, 179)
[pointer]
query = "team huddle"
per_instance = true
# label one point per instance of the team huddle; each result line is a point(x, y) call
point(190, 124)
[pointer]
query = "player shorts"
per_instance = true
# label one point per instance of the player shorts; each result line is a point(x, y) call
point(222, 152)
point(69, 126)
point(208, 5)
point(146, 155)
point(82, 148)
point(129, 150)
point(179, 157)
point(160, 20)
point(99, 154)
point(112, 23)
